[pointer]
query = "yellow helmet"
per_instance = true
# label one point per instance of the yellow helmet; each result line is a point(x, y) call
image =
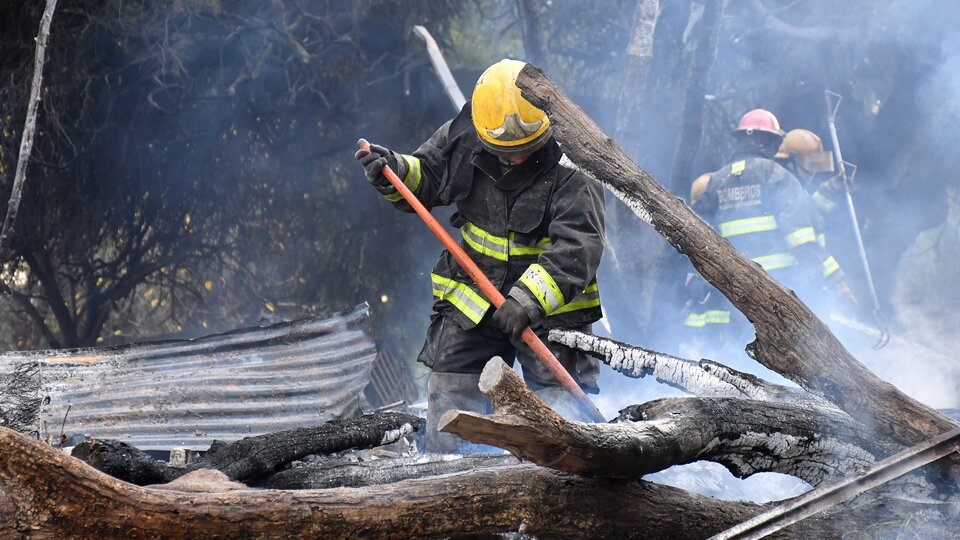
point(698, 187)
point(806, 150)
point(505, 122)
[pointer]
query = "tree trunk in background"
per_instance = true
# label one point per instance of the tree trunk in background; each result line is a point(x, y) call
point(691, 127)
point(29, 128)
point(534, 45)
point(663, 261)
point(622, 253)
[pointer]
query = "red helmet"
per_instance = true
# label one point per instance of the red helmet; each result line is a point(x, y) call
point(759, 120)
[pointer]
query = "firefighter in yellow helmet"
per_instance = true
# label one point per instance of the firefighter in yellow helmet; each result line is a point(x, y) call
point(802, 154)
point(533, 226)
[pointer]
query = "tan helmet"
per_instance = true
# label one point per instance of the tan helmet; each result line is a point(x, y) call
point(698, 187)
point(806, 150)
point(505, 121)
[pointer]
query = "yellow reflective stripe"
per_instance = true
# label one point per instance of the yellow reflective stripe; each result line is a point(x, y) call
point(520, 249)
point(830, 265)
point(775, 261)
point(468, 301)
point(801, 236)
point(714, 316)
point(589, 298)
point(543, 287)
point(738, 167)
point(412, 179)
point(748, 225)
point(484, 242)
point(824, 203)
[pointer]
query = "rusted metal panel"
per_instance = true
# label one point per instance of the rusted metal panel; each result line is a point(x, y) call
point(185, 394)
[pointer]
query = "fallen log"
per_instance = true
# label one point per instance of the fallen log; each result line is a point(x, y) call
point(382, 471)
point(251, 458)
point(790, 339)
point(745, 436)
point(704, 378)
point(58, 496)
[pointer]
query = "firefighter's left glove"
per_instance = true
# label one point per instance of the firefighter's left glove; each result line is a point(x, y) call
point(373, 162)
point(511, 317)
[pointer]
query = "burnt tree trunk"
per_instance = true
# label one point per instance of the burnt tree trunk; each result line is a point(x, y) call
point(790, 338)
point(251, 458)
point(745, 436)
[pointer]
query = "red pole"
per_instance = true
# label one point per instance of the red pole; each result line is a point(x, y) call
point(490, 291)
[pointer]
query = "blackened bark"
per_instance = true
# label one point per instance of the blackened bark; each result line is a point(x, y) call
point(251, 458)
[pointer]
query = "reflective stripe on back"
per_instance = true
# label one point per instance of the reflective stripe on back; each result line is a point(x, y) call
point(714, 316)
point(801, 236)
point(748, 225)
point(738, 167)
point(775, 261)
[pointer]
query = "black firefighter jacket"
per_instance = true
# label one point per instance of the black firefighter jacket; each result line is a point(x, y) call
point(764, 212)
point(535, 229)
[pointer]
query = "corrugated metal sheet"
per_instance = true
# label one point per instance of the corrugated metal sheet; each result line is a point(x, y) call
point(390, 380)
point(188, 393)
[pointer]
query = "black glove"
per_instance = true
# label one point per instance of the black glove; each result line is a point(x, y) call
point(373, 161)
point(511, 318)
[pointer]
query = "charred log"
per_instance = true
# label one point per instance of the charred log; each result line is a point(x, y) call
point(251, 458)
point(746, 436)
point(371, 473)
point(704, 378)
point(790, 338)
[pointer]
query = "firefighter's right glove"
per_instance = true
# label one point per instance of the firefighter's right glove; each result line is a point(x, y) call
point(511, 317)
point(373, 162)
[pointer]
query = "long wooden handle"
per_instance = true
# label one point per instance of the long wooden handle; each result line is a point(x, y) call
point(490, 291)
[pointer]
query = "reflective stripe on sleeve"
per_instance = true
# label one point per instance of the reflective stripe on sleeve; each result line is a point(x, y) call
point(748, 225)
point(589, 298)
point(714, 316)
point(468, 301)
point(801, 236)
point(824, 203)
point(543, 287)
point(830, 265)
point(775, 261)
point(411, 180)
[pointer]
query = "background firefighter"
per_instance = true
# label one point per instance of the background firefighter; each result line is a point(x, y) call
point(802, 154)
point(534, 227)
point(762, 209)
